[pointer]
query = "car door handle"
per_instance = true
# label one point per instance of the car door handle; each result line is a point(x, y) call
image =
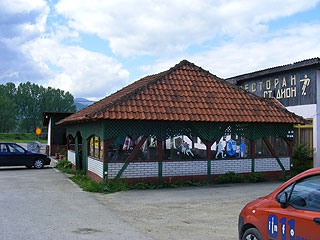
point(316, 221)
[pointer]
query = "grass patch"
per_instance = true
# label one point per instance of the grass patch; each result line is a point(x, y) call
point(86, 183)
point(110, 186)
point(20, 137)
point(65, 167)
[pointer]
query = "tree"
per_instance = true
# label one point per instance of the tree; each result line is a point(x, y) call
point(7, 114)
point(30, 100)
point(8, 110)
point(27, 100)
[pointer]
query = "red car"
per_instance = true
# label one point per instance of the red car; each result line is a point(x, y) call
point(291, 212)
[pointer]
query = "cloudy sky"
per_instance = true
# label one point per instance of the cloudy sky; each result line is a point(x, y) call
point(95, 47)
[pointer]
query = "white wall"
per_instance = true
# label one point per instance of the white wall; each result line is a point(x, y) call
point(95, 166)
point(49, 136)
point(194, 168)
point(72, 157)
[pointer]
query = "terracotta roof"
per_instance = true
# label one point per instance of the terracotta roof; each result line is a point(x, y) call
point(185, 92)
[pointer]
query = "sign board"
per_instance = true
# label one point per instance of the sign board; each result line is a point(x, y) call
point(292, 88)
point(38, 131)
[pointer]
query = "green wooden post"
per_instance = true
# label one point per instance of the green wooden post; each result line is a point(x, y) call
point(253, 153)
point(209, 171)
point(208, 157)
point(160, 159)
point(85, 146)
point(77, 153)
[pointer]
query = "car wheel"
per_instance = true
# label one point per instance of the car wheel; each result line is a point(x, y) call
point(38, 163)
point(252, 234)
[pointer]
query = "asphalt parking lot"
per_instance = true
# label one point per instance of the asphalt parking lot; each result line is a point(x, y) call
point(40, 204)
point(45, 204)
point(209, 212)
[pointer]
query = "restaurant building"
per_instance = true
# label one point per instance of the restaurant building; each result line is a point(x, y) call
point(297, 87)
point(184, 123)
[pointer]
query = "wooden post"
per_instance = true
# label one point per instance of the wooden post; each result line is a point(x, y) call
point(160, 159)
point(77, 152)
point(253, 153)
point(208, 157)
point(106, 145)
point(290, 145)
point(85, 151)
point(131, 156)
point(274, 154)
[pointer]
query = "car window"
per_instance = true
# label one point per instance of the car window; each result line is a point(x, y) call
point(15, 148)
point(286, 190)
point(306, 194)
point(3, 147)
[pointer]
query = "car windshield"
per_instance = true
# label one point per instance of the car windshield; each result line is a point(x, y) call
point(15, 148)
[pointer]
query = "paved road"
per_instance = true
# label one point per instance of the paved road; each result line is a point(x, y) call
point(44, 204)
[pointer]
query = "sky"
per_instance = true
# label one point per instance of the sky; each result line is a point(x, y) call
point(93, 48)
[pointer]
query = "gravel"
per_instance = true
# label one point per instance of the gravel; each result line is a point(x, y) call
point(209, 212)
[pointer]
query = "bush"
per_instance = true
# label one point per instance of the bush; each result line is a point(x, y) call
point(301, 159)
point(230, 177)
point(256, 177)
point(63, 164)
point(63, 152)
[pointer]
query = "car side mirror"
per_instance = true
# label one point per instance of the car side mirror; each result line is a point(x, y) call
point(284, 200)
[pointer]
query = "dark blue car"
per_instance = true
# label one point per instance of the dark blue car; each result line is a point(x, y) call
point(12, 154)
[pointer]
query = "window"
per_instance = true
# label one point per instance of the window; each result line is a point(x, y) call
point(15, 148)
point(95, 147)
point(305, 194)
point(286, 190)
point(3, 148)
point(123, 146)
point(184, 148)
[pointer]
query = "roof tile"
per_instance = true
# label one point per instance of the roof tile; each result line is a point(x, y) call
point(185, 93)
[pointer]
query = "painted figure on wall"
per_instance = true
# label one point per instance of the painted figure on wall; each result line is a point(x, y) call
point(231, 147)
point(243, 149)
point(188, 150)
point(183, 148)
point(219, 150)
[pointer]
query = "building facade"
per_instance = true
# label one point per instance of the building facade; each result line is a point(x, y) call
point(56, 134)
point(295, 86)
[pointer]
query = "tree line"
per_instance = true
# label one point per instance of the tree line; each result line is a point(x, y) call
point(21, 106)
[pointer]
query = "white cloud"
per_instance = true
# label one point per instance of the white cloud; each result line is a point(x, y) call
point(33, 51)
point(20, 22)
point(81, 72)
point(237, 57)
point(19, 6)
point(161, 27)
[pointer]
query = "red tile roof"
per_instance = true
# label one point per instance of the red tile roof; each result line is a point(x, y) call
point(185, 92)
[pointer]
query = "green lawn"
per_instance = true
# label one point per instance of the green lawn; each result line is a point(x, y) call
point(20, 137)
